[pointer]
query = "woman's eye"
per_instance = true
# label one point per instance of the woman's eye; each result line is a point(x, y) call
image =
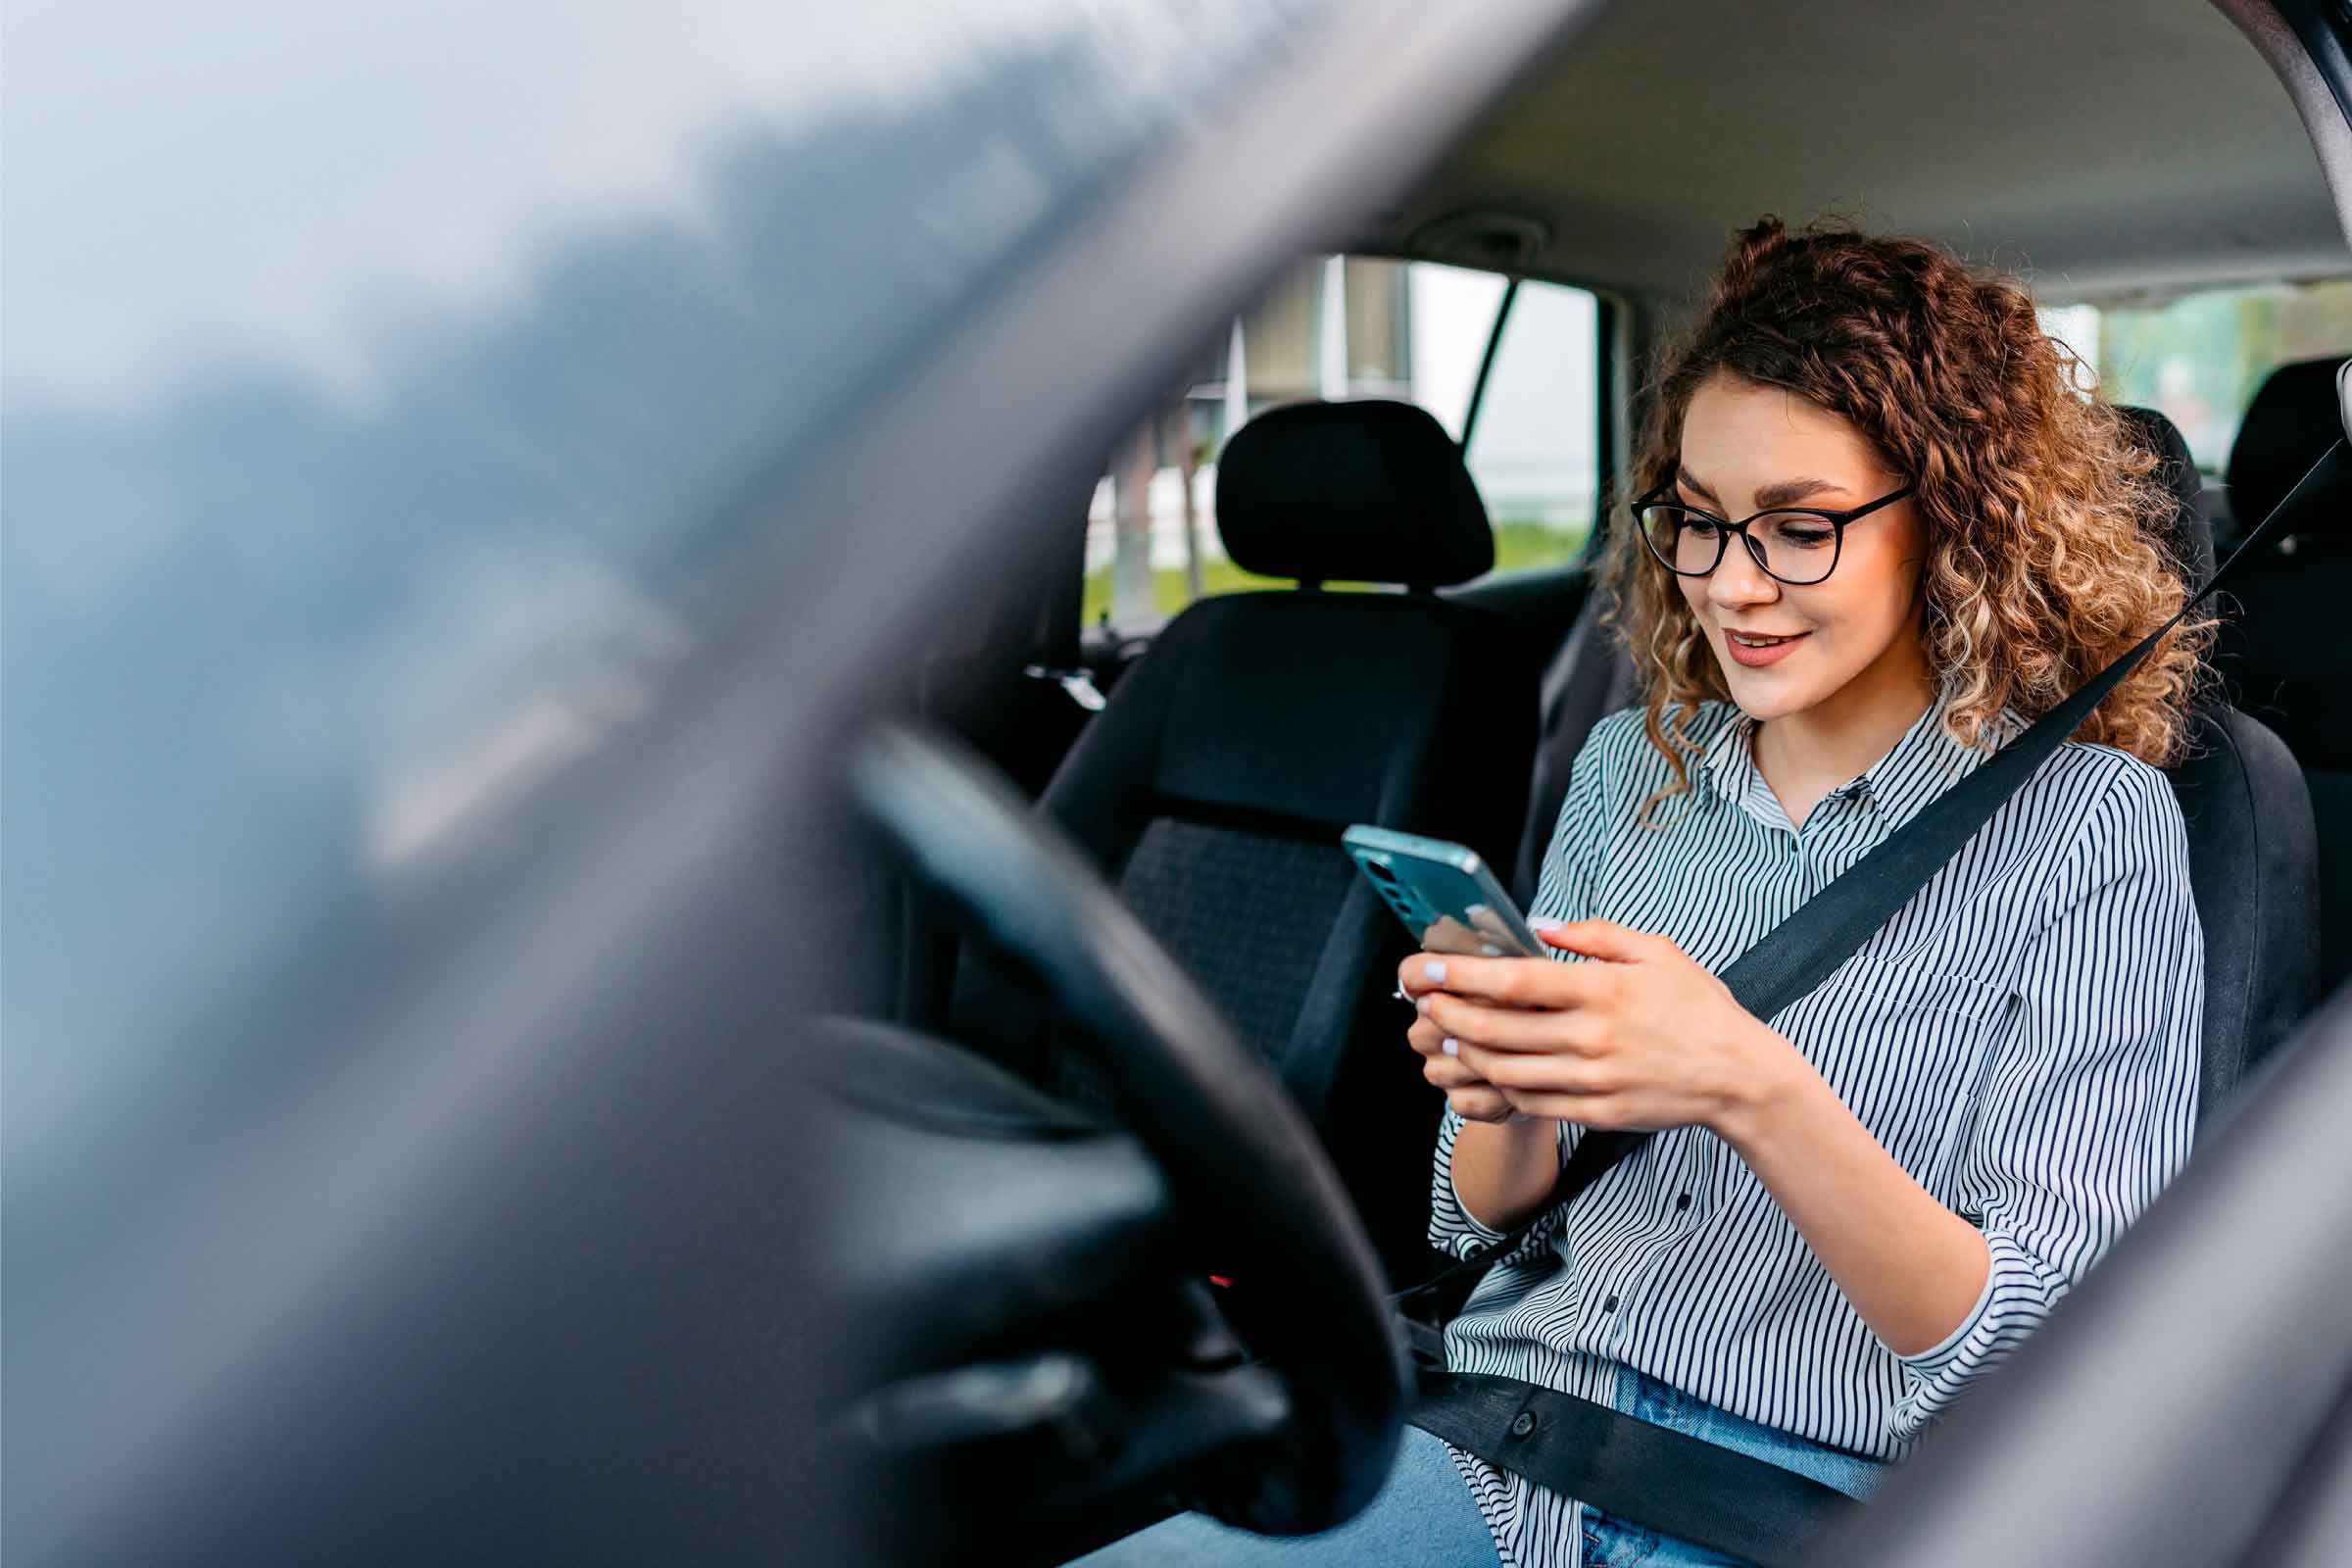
point(1699, 526)
point(1799, 534)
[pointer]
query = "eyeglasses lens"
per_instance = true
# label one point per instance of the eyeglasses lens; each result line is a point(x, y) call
point(1681, 540)
point(1796, 547)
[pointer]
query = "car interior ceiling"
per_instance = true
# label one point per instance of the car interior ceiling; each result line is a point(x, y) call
point(2012, 130)
point(1211, 772)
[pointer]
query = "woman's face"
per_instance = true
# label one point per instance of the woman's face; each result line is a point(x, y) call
point(1856, 633)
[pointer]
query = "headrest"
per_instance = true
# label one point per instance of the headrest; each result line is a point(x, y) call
point(1370, 491)
point(2292, 420)
point(2190, 538)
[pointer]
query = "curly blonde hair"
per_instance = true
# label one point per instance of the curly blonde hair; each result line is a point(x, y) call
point(2041, 513)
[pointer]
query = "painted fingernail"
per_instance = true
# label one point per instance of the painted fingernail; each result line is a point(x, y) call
point(1435, 969)
point(1421, 1005)
point(1450, 1045)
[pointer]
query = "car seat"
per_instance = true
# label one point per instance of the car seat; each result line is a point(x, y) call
point(1215, 785)
point(2279, 654)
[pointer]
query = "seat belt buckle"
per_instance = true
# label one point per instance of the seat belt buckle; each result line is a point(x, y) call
point(1426, 1344)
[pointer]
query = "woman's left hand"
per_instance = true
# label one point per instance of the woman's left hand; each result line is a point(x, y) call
point(1645, 1039)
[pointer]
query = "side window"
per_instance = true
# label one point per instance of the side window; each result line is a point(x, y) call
point(1535, 448)
point(2201, 358)
point(1337, 327)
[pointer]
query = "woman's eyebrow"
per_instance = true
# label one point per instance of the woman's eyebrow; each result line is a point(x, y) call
point(1786, 493)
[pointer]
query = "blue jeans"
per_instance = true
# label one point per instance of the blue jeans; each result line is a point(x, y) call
point(1423, 1516)
point(1614, 1542)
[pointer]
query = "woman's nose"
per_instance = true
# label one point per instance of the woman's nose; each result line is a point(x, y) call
point(1738, 580)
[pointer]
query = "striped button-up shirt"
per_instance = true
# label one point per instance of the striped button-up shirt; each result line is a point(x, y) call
point(2023, 1037)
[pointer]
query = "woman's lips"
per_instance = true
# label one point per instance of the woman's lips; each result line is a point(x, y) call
point(1771, 654)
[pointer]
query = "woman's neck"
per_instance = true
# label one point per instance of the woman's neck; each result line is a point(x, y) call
point(1805, 755)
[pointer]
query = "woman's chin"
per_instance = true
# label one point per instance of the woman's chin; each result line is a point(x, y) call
point(1766, 694)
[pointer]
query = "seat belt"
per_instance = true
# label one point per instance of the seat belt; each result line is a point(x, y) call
point(1662, 1479)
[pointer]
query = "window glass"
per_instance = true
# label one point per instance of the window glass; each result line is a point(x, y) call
point(1379, 326)
point(2201, 358)
point(389, 408)
point(1358, 328)
point(1535, 450)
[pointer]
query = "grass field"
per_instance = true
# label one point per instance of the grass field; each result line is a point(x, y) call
point(1516, 545)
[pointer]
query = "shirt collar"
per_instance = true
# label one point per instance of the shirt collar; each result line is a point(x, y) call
point(1728, 763)
point(1923, 762)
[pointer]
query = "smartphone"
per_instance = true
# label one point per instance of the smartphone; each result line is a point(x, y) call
point(1443, 892)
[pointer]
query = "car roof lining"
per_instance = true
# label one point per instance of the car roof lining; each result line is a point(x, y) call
point(2105, 148)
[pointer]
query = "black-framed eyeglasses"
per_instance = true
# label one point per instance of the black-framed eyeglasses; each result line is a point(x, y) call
point(1796, 545)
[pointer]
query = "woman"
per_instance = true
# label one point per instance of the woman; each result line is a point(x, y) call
point(1854, 1208)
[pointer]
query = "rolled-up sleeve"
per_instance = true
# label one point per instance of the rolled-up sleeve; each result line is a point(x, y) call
point(1454, 1229)
point(1564, 892)
point(2088, 1109)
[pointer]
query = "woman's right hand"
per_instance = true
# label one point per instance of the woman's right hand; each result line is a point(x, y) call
point(1465, 1090)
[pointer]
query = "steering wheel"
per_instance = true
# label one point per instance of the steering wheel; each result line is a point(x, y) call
point(1241, 1161)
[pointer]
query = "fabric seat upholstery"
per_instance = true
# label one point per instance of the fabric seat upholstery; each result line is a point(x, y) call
point(2253, 855)
point(2280, 654)
point(1215, 785)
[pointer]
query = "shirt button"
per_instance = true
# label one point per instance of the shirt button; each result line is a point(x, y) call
point(1609, 1305)
point(1522, 1424)
point(1681, 1201)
